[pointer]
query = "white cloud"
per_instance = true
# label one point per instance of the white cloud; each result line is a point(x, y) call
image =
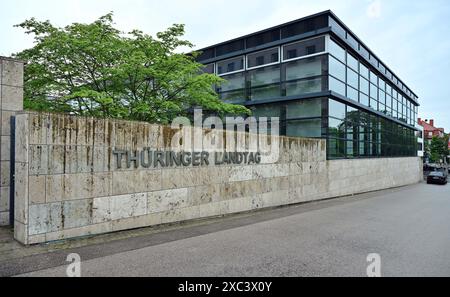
point(374, 9)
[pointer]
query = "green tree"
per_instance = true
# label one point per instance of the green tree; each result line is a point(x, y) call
point(96, 70)
point(438, 148)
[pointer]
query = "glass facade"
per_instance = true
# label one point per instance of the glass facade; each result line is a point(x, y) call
point(351, 78)
point(327, 86)
point(354, 133)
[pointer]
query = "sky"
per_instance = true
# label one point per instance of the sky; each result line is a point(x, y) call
point(412, 37)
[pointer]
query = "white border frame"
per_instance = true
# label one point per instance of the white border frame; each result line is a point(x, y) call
point(214, 67)
point(307, 56)
point(265, 65)
point(233, 72)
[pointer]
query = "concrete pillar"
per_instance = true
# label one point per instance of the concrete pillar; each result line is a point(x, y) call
point(11, 102)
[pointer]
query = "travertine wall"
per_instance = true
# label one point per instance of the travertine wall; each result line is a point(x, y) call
point(11, 101)
point(67, 184)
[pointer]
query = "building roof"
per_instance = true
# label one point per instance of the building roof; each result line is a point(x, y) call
point(340, 23)
point(429, 127)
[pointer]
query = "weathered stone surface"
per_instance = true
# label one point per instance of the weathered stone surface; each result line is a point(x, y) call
point(5, 173)
point(102, 210)
point(38, 158)
point(205, 194)
point(12, 98)
point(12, 73)
point(239, 173)
point(39, 219)
point(153, 219)
point(5, 148)
point(139, 181)
point(86, 185)
point(21, 202)
point(4, 199)
point(77, 213)
point(54, 188)
point(167, 200)
point(6, 122)
point(38, 127)
point(4, 218)
point(78, 232)
point(127, 206)
point(37, 185)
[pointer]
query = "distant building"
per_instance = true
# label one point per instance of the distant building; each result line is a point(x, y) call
point(420, 141)
point(430, 130)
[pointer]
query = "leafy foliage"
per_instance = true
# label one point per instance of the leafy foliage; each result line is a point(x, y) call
point(438, 149)
point(96, 70)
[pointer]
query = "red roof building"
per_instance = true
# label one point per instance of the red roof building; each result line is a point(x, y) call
point(430, 131)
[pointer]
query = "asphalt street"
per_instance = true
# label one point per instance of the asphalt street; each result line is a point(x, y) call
point(408, 227)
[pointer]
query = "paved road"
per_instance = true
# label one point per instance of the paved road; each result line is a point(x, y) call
point(408, 227)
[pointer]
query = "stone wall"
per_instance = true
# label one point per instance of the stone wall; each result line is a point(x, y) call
point(67, 183)
point(11, 101)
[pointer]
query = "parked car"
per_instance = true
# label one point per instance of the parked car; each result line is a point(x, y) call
point(437, 177)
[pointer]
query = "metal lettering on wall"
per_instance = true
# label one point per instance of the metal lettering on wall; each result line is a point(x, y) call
point(148, 158)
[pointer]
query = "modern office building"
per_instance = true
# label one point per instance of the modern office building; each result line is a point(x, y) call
point(323, 82)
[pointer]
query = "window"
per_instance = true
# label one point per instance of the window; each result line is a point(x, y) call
point(336, 50)
point(374, 61)
point(229, 66)
point(388, 89)
point(373, 91)
point(209, 69)
point(206, 54)
point(336, 128)
point(373, 78)
point(336, 148)
point(263, 38)
point(304, 128)
point(230, 47)
point(364, 99)
point(382, 84)
point(352, 62)
point(352, 41)
point(337, 69)
point(265, 82)
point(307, 86)
point(304, 68)
point(352, 78)
point(265, 92)
point(304, 26)
point(267, 110)
point(304, 109)
point(264, 76)
point(364, 52)
point(270, 56)
point(373, 104)
point(352, 93)
point(364, 71)
point(337, 86)
point(233, 88)
point(364, 86)
point(304, 48)
point(382, 97)
point(336, 109)
point(337, 28)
